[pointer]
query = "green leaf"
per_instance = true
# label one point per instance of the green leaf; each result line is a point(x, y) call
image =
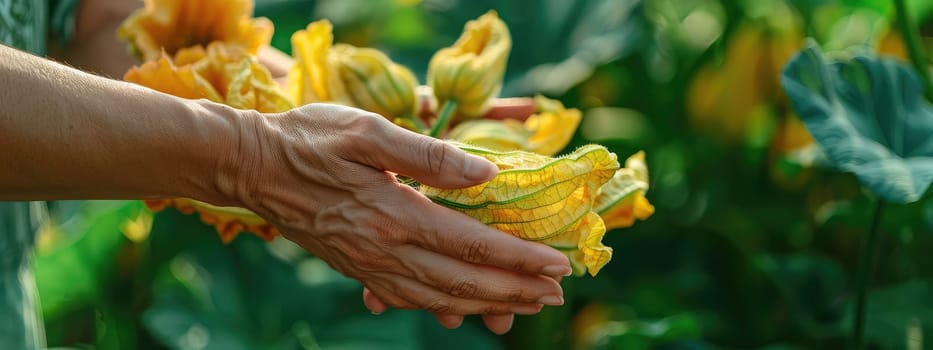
point(71, 274)
point(869, 116)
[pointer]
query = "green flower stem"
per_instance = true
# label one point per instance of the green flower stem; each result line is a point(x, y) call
point(912, 39)
point(443, 118)
point(866, 268)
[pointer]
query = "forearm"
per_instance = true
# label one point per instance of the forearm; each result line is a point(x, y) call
point(66, 134)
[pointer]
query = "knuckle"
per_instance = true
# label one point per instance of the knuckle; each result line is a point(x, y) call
point(518, 263)
point(366, 128)
point(464, 288)
point(368, 262)
point(496, 309)
point(436, 153)
point(438, 306)
point(517, 295)
point(477, 251)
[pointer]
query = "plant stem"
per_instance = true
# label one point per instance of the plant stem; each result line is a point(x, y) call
point(911, 38)
point(443, 118)
point(866, 268)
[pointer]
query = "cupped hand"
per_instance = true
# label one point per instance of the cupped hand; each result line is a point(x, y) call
point(324, 175)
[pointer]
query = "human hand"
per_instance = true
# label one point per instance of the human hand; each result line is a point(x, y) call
point(319, 173)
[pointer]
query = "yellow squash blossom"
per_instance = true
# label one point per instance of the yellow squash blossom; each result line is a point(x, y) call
point(228, 221)
point(171, 25)
point(310, 80)
point(222, 73)
point(622, 199)
point(373, 82)
point(540, 198)
point(546, 132)
point(163, 75)
point(470, 72)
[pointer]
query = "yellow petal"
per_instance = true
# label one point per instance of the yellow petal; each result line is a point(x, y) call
point(499, 135)
point(470, 72)
point(222, 73)
point(622, 200)
point(309, 79)
point(552, 127)
point(228, 221)
point(541, 198)
point(162, 75)
point(546, 132)
point(171, 25)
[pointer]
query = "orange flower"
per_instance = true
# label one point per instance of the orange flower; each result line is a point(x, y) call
point(171, 25)
point(228, 221)
point(222, 73)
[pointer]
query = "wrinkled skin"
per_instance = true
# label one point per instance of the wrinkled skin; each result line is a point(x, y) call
point(321, 174)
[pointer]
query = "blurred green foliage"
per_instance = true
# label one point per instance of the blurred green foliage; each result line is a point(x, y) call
point(753, 246)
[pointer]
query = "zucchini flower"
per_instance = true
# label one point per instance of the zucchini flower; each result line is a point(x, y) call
point(470, 72)
point(546, 132)
point(373, 82)
point(222, 73)
point(172, 25)
point(544, 199)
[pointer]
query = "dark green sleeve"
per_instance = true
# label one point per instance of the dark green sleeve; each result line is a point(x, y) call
point(21, 327)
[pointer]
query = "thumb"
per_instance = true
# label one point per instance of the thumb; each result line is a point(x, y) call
point(431, 161)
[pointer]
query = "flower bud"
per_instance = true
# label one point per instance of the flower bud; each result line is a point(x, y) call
point(470, 72)
point(373, 82)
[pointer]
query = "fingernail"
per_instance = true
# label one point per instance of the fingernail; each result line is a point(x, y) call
point(375, 313)
point(557, 270)
point(476, 168)
point(552, 300)
point(527, 310)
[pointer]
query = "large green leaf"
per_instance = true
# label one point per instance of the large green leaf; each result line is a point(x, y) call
point(869, 116)
point(72, 272)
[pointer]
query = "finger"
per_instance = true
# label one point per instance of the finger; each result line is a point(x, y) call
point(449, 321)
point(373, 303)
point(511, 108)
point(407, 293)
point(430, 161)
point(472, 281)
point(499, 324)
point(456, 235)
point(276, 61)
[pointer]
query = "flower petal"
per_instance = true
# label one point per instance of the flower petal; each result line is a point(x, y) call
point(622, 199)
